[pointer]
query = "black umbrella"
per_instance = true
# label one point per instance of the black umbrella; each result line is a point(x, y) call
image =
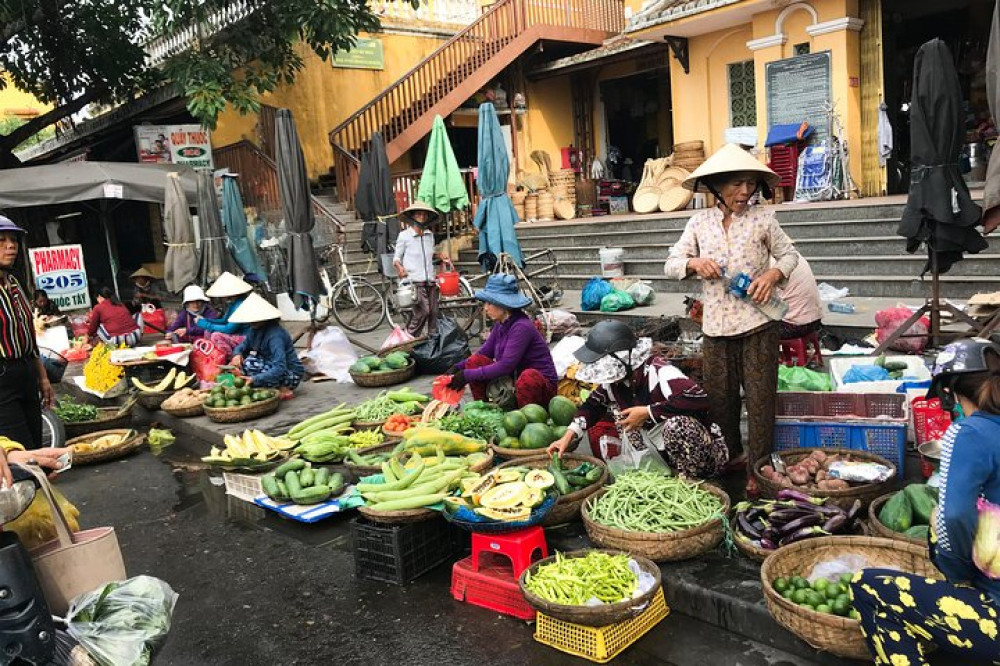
point(296, 204)
point(375, 200)
point(939, 210)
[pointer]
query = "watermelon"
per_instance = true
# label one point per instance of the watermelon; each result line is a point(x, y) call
point(562, 410)
point(514, 422)
point(535, 413)
point(558, 431)
point(509, 443)
point(536, 436)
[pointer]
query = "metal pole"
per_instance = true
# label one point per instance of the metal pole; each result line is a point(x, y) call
point(106, 223)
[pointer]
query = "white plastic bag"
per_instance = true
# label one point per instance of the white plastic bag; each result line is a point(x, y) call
point(562, 353)
point(633, 455)
point(642, 293)
point(827, 292)
point(331, 354)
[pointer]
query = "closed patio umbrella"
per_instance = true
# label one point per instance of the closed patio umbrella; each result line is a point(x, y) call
point(234, 220)
point(296, 204)
point(991, 193)
point(939, 211)
point(441, 184)
point(495, 216)
point(375, 200)
point(214, 258)
point(180, 266)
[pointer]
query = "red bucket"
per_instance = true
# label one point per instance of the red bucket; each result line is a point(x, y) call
point(448, 280)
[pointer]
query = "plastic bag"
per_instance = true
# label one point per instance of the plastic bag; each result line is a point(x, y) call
point(440, 391)
point(206, 359)
point(617, 301)
point(120, 623)
point(859, 472)
point(865, 373)
point(827, 292)
point(397, 337)
point(593, 292)
point(891, 319)
point(621, 455)
point(154, 320)
point(797, 378)
point(559, 323)
point(562, 353)
point(331, 354)
point(641, 293)
point(443, 349)
point(35, 527)
point(834, 569)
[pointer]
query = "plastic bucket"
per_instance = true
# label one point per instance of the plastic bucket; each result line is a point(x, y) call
point(448, 280)
point(612, 262)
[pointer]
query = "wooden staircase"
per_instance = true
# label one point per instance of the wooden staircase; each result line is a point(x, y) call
point(443, 81)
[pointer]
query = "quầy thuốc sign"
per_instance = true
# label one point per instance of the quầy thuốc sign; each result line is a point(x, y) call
point(60, 271)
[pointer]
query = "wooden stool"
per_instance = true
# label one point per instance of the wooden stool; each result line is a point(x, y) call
point(519, 547)
point(797, 350)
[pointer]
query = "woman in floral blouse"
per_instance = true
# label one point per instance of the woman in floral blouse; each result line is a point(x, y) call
point(741, 343)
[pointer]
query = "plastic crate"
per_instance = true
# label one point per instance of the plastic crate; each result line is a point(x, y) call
point(492, 587)
point(599, 644)
point(821, 405)
point(243, 486)
point(400, 553)
point(929, 421)
point(886, 439)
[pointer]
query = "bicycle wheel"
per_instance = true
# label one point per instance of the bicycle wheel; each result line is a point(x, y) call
point(357, 305)
point(464, 309)
point(53, 430)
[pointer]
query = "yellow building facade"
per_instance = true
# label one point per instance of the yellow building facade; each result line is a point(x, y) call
point(19, 104)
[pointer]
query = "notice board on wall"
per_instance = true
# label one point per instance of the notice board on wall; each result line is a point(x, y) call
point(798, 89)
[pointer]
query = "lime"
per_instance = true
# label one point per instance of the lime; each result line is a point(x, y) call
point(781, 584)
point(814, 598)
point(854, 614)
point(787, 593)
point(238, 382)
point(820, 584)
point(232, 403)
point(841, 606)
point(244, 392)
point(835, 590)
point(217, 390)
point(799, 583)
point(799, 596)
point(845, 579)
point(823, 608)
point(232, 394)
point(246, 400)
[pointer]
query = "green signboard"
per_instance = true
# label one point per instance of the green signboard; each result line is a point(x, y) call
point(366, 54)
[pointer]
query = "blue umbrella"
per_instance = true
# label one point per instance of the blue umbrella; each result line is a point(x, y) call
point(234, 221)
point(495, 217)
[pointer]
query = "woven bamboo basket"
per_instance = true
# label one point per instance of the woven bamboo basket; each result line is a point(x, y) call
point(391, 378)
point(185, 412)
point(593, 616)
point(838, 635)
point(689, 146)
point(403, 346)
point(108, 418)
point(368, 425)
point(879, 528)
point(760, 554)
point(520, 454)
point(364, 470)
point(152, 400)
point(567, 506)
point(843, 498)
point(397, 517)
point(126, 447)
point(564, 209)
point(245, 412)
point(518, 196)
point(545, 203)
point(520, 212)
point(661, 547)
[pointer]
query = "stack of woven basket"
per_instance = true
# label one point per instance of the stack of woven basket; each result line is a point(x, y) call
point(563, 186)
point(531, 207)
point(518, 198)
point(689, 155)
point(546, 201)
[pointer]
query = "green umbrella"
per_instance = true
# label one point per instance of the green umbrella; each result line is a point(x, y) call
point(441, 184)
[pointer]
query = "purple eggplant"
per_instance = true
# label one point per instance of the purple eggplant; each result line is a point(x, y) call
point(745, 527)
point(805, 521)
point(835, 523)
point(854, 512)
point(755, 513)
point(767, 544)
point(788, 515)
point(804, 533)
point(791, 494)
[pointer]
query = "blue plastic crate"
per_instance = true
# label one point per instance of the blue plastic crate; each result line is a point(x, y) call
point(883, 439)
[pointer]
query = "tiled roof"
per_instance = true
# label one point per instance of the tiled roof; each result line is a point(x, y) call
point(664, 11)
point(614, 46)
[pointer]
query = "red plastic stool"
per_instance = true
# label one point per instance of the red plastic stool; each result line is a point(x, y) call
point(517, 546)
point(797, 350)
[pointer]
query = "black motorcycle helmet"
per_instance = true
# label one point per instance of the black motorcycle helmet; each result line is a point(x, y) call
point(959, 358)
point(607, 337)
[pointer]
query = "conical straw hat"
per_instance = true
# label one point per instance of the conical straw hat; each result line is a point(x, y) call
point(729, 159)
point(254, 309)
point(228, 285)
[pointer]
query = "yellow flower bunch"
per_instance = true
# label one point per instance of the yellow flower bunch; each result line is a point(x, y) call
point(99, 374)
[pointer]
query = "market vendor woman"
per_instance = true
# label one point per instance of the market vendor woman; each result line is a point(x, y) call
point(646, 392)
point(222, 332)
point(514, 364)
point(903, 615)
point(266, 356)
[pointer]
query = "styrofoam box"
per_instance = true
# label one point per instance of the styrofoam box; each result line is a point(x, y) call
point(916, 369)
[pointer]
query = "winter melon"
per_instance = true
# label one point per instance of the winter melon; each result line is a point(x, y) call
point(561, 410)
point(535, 413)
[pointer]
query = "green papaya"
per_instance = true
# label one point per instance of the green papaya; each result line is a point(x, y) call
point(359, 368)
point(897, 514)
point(923, 502)
point(918, 532)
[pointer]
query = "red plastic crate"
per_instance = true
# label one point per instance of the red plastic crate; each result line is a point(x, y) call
point(929, 421)
point(493, 587)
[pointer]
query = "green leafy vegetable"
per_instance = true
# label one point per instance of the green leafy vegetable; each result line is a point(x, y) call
point(71, 411)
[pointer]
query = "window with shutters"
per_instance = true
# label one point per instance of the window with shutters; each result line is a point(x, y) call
point(742, 95)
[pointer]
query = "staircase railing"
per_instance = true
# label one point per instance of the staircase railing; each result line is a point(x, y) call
point(417, 91)
point(258, 183)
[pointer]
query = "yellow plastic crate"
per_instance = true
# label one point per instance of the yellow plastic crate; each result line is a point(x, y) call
point(599, 644)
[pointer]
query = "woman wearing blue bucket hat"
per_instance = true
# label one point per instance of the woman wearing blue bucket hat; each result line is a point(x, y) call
point(514, 364)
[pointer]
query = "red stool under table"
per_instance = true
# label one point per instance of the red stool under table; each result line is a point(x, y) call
point(519, 547)
point(800, 351)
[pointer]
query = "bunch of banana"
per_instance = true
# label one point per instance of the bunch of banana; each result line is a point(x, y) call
point(251, 448)
point(173, 381)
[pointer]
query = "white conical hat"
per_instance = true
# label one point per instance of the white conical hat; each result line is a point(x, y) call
point(254, 309)
point(729, 159)
point(228, 285)
point(193, 292)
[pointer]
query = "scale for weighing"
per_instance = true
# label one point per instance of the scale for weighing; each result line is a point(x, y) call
point(930, 454)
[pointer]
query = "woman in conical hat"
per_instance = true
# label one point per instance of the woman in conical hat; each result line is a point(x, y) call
point(267, 355)
point(222, 332)
point(736, 237)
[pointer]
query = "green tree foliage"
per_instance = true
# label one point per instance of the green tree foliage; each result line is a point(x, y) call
point(71, 53)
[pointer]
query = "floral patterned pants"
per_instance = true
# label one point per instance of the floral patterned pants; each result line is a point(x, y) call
point(902, 614)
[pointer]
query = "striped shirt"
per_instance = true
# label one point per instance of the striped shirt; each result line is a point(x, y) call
point(17, 326)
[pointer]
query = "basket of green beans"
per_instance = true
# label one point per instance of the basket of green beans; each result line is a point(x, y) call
point(661, 517)
point(563, 585)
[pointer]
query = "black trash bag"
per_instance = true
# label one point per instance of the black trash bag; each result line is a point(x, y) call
point(441, 351)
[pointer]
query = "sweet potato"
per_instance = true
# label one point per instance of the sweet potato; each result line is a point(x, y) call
point(818, 455)
point(811, 465)
point(799, 476)
point(821, 475)
point(834, 484)
point(767, 471)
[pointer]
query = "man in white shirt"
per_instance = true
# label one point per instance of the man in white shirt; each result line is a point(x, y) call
point(414, 260)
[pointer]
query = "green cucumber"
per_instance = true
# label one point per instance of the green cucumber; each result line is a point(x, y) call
point(292, 465)
point(271, 488)
point(311, 495)
point(292, 483)
point(336, 484)
point(282, 488)
point(321, 476)
point(307, 477)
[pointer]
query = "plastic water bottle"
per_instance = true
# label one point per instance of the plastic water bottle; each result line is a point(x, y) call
point(774, 309)
point(844, 308)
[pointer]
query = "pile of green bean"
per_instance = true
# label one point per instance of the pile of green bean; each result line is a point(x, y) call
point(642, 501)
point(575, 581)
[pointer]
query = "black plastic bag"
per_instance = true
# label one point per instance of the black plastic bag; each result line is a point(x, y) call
point(442, 350)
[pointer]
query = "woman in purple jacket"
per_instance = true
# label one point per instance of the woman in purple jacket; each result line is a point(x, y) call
point(185, 327)
point(514, 364)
